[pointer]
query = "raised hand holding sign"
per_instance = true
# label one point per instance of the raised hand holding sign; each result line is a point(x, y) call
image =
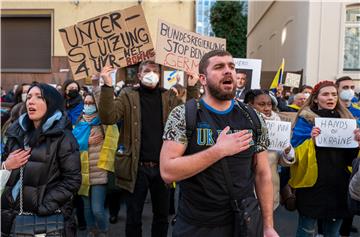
point(339, 133)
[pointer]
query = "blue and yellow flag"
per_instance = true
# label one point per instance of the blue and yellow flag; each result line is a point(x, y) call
point(278, 77)
point(172, 77)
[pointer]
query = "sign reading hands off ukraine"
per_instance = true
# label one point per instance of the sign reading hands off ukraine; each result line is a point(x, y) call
point(335, 132)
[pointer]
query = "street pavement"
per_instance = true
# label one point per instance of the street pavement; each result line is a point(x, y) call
point(285, 223)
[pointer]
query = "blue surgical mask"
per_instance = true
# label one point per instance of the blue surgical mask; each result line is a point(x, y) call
point(89, 109)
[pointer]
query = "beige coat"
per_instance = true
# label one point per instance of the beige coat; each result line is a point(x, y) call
point(97, 175)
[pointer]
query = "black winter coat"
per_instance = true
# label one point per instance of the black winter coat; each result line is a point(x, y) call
point(328, 197)
point(51, 175)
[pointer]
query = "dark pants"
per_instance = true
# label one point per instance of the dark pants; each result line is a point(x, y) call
point(148, 179)
point(114, 202)
point(80, 215)
point(345, 228)
point(114, 196)
point(184, 229)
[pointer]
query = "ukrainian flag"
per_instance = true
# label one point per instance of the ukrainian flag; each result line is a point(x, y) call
point(172, 77)
point(278, 77)
point(304, 172)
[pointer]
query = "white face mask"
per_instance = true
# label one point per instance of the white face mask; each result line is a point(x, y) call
point(347, 94)
point(23, 97)
point(150, 79)
point(307, 95)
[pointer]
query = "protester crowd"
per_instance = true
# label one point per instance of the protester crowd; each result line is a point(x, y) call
point(80, 151)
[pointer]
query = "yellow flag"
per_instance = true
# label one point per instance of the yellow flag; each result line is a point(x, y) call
point(278, 77)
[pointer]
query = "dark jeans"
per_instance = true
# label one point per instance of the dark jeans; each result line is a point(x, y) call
point(345, 228)
point(307, 227)
point(148, 179)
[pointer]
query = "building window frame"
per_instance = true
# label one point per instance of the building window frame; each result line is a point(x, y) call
point(28, 13)
point(352, 72)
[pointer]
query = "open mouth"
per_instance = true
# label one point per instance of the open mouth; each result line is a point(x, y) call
point(227, 81)
point(267, 113)
point(31, 110)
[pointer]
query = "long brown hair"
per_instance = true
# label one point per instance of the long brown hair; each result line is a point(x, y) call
point(310, 102)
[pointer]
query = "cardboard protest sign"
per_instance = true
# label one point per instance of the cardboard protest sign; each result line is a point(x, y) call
point(182, 49)
point(279, 134)
point(288, 117)
point(252, 69)
point(292, 80)
point(119, 38)
point(172, 78)
point(337, 133)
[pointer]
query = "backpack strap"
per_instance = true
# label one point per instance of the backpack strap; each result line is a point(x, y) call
point(191, 107)
point(251, 115)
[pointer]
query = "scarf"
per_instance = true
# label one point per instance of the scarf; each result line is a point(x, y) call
point(294, 106)
point(82, 131)
point(85, 135)
point(274, 116)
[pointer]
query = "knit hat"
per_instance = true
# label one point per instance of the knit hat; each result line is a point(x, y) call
point(322, 84)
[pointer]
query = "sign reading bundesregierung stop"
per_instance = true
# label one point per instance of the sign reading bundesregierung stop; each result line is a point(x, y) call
point(118, 38)
point(335, 132)
point(182, 49)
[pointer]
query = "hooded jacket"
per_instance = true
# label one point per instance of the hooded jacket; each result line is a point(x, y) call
point(52, 173)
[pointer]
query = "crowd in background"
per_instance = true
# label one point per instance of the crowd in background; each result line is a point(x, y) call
point(99, 197)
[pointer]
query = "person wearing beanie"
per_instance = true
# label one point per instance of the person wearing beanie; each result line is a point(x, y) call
point(320, 174)
point(40, 144)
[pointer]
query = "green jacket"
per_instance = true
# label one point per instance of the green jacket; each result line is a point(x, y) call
point(126, 108)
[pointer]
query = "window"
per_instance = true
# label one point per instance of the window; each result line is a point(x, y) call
point(26, 43)
point(352, 38)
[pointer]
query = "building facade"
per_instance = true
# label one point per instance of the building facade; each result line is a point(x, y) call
point(203, 11)
point(322, 38)
point(31, 47)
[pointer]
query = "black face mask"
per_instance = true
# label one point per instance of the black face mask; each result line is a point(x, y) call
point(73, 93)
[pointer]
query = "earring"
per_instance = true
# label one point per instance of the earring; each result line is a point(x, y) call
point(201, 90)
